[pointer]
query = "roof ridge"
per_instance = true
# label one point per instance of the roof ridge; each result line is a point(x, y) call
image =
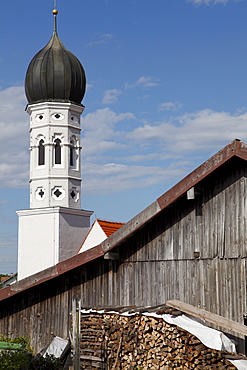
point(112, 222)
point(235, 149)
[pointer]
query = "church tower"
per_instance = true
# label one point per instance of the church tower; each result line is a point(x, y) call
point(54, 227)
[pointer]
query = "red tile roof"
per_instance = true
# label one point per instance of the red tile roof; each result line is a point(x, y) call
point(3, 278)
point(109, 227)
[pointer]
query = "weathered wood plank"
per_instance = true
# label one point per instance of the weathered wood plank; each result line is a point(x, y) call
point(208, 316)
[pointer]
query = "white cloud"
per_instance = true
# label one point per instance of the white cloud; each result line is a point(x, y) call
point(213, 2)
point(99, 132)
point(193, 132)
point(117, 177)
point(170, 106)
point(111, 96)
point(120, 151)
point(102, 39)
point(143, 97)
point(115, 160)
point(14, 138)
point(144, 82)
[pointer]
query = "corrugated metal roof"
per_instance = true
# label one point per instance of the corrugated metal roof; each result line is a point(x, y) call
point(109, 227)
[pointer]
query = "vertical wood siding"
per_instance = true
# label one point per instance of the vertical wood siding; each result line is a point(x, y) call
point(156, 264)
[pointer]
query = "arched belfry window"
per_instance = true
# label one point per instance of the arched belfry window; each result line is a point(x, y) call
point(72, 154)
point(41, 153)
point(57, 143)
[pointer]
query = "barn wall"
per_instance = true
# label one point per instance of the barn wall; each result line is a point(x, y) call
point(213, 224)
point(156, 264)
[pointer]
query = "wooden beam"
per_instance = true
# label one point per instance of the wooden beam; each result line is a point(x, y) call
point(208, 316)
point(111, 256)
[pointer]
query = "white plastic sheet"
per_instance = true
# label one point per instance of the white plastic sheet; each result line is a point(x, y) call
point(57, 347)
point(211, 338)
point(239, 364)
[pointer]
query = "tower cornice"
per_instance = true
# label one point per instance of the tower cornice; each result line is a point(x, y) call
point(78, 108)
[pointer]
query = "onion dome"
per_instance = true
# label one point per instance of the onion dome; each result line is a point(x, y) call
point(55, 74)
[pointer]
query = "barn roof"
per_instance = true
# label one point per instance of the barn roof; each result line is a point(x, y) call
point(235, 149)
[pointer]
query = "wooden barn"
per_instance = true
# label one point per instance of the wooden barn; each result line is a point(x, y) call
point(190, 245)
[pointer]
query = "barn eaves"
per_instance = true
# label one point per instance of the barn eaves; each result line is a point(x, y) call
point(235, 149)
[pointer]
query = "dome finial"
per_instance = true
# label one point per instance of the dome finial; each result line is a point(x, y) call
point(54, 73)
point(55, 13)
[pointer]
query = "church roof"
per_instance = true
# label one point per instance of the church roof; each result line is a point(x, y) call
point(3, 278)
point(55, 74)
point(109, 227)
point(99, 231)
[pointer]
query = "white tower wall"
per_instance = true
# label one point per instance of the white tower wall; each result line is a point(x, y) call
point(48, 236)
point(55, 184)
point(54, 227)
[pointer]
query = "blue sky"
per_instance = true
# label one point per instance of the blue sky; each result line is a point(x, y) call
point(166, 89)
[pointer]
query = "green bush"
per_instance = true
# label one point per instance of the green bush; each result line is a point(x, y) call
point(44, 363)
point(14, 360)
point(24, 360)
point(25, 342)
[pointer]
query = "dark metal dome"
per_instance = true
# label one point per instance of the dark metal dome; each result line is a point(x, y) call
point(55, 74)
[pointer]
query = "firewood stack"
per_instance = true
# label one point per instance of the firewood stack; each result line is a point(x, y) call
point(112, 341)
point(92, 341)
